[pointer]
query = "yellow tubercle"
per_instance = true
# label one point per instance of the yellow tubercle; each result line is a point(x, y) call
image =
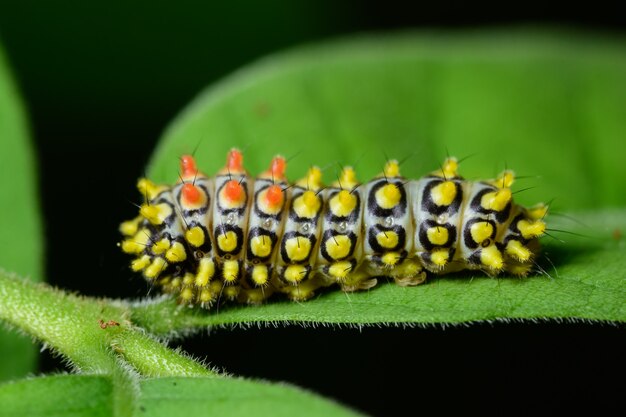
point(155, 213)
point(496, 200)
point(298, 248)
point(188, 278)
point(443, 194)
point(206, 270)
point(537, 212)
point(155, 268)
point(307, 205)
point(481, 231)
point(140, 263)
point(343, 203)
point(390, 258)
point(161, 246)
point(130, 227)
point(149, 189)
point(260, 275)
point(230, 271)
point(227, 241)
point(176, 253)
point(340, 270)
point(338, 247)
point(388, 196)
point(391, 169)
point(504, 180)
point(195, 236)
point(387, 239)
point(437, 235)
point(261, 246)
point(440, 256)
point(295, 273)
point(516, 250)
point(312, 180)
point(137, 243)
point(531, 229)
point(449, 169)
point(346, 179)
point(491, 258)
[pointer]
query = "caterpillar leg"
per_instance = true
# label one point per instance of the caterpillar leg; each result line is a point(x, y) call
point(409, 273)
point(348, 276)
point(357, 281)
point(254, 295)
point(304, 290)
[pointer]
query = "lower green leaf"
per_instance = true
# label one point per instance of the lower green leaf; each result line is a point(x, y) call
point(232, 397)
point(92, 396)
point(59, 395)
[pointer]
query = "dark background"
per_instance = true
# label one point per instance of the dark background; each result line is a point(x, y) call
point(102, 79)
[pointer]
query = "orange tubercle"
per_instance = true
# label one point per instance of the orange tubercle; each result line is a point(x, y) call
point(233, 191)
point(188, 166)
point(278, 166)
point(234, 161)
point(274, 196)
point(191, 194)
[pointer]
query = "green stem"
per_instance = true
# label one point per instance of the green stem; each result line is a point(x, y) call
point(66, 323)
point(95, 335)
point(152, 359)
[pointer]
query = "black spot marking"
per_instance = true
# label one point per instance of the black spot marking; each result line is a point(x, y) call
point(222, 229)
point(329, 235)
point(476, 205)
point(423, 234)
point(397, 211)
point(429, 205)
point(295, 217)
point(350, 218)
point(265, 234)
point(376, 229)
point(467, 232)
point(283, 247)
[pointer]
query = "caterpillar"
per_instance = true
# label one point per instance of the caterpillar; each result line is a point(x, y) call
point(244, 239)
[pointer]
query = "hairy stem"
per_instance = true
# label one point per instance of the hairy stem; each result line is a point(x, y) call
point(94, 335)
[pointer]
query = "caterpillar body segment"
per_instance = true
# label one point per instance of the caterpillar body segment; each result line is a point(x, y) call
point(389, 228)
point(233, 237)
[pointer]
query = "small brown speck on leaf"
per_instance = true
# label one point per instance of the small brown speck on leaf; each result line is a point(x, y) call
point(104, 324)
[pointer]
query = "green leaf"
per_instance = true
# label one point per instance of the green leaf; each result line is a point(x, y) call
point(545, 104)
point(90, 395)
point(59, 395)
point(549, 104)
point(232, 397)
point(20, 227)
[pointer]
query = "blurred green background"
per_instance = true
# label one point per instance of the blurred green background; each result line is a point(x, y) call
point(101, 81)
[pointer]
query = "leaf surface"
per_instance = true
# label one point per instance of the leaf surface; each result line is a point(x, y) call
point(21, 247)
point(91, 396)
